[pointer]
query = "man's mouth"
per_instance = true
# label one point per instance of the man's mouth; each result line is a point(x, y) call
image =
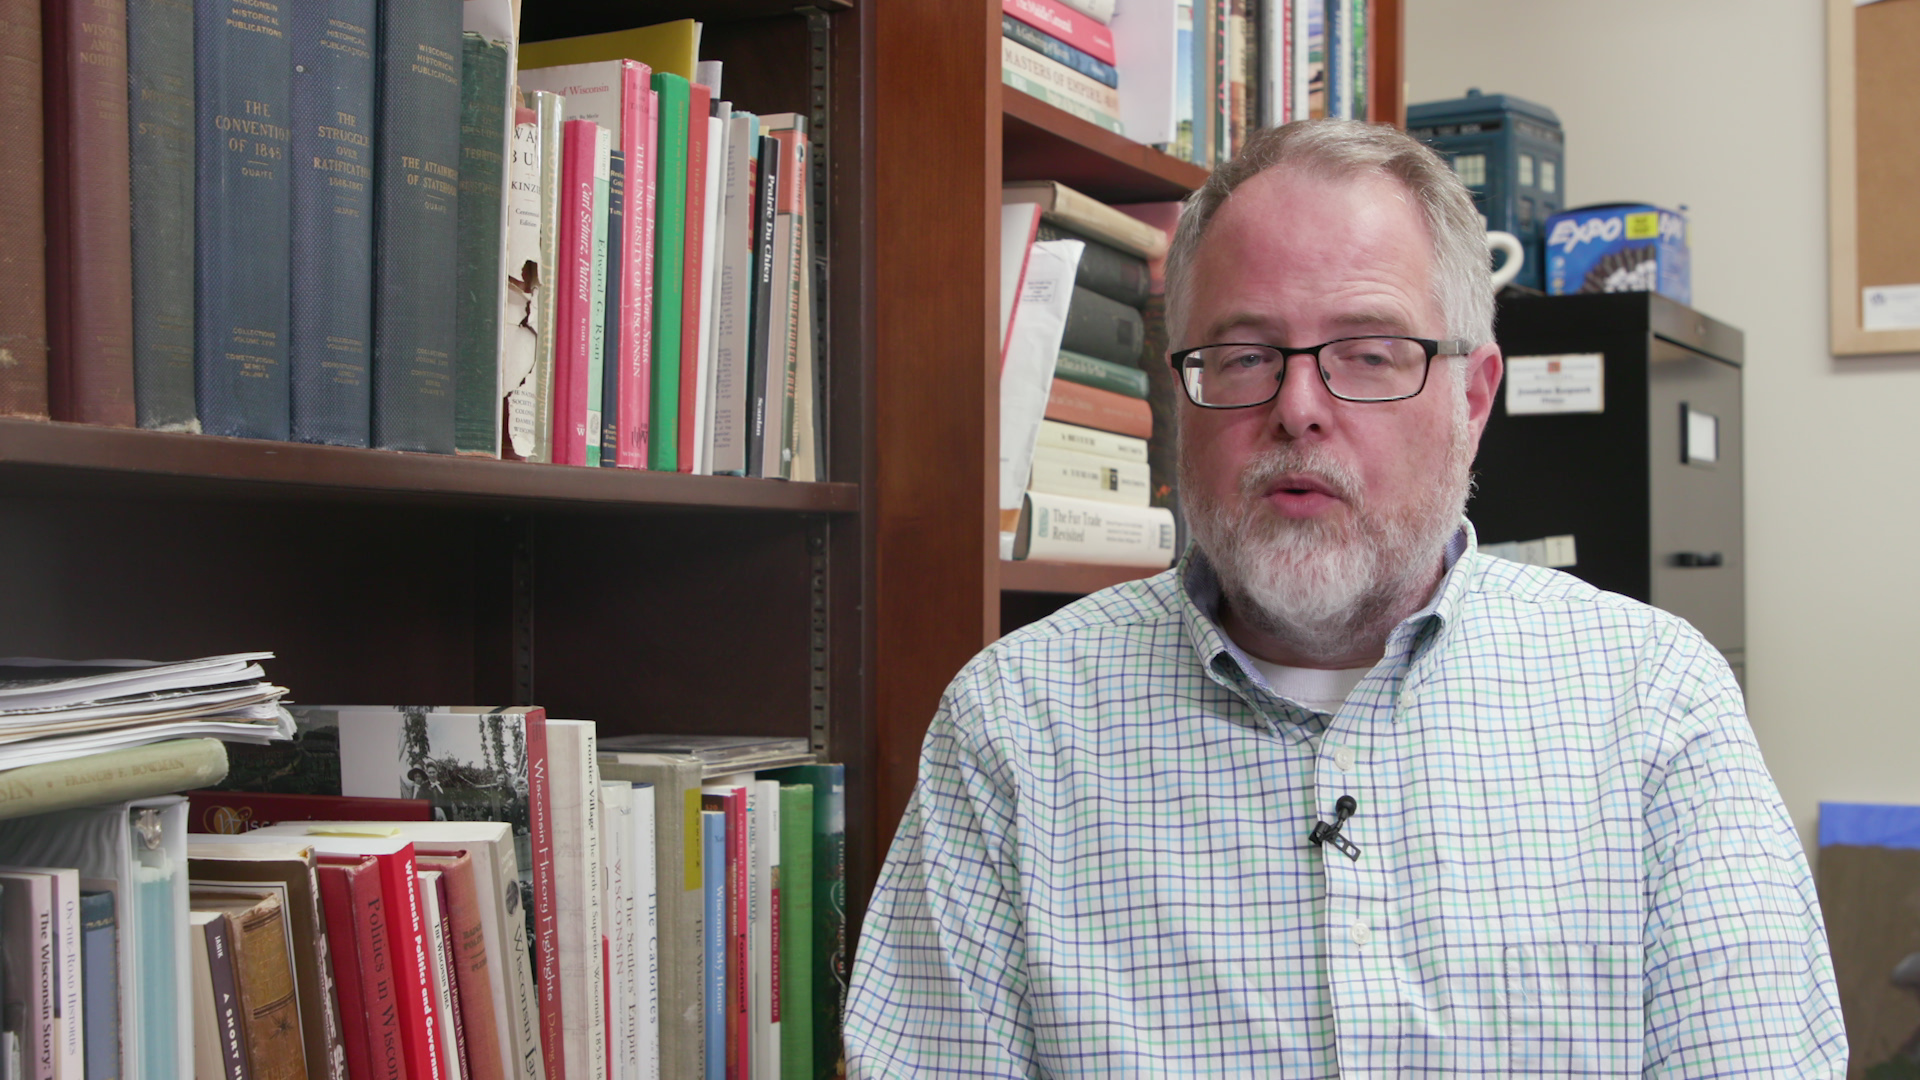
point(1297, 495)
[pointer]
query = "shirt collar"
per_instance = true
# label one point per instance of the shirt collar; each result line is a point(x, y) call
point(1200, 606)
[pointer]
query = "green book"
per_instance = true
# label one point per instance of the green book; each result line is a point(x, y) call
point(669, 269)
point(796, 945)
point(597, 329)
point(832, 953)
point(1101, 374)
point(477, 299)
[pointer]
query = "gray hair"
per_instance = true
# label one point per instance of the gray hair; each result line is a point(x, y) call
point(1347, 149)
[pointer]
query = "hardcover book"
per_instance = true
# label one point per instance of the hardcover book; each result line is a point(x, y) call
point(693, 273)
point(764, 401)
point(1105, 269)
point(160, 90)
point(832, 952)
point(1104, 374)
point(607, 396)
point(100, 981)
point(713, 889)
point(1086, 476)
point(525, 285)
point(220, 1040)
point(669, 269)
point(733, 315)
point(1102, 328)
point(331, 350)
point(597, 304)
point(360, 945)
point(576, 857)
point(477, 276)
point(573, 314)
point(112, 775)
point(243, 62)
point(793, 993)
point(260, 941)
point(1086, 406)
point(23, 263)
point(416, 242)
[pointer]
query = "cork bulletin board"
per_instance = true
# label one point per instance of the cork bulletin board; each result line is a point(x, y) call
point(1873, 167)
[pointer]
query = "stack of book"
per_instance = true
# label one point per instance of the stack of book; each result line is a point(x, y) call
point(386, 223)
point(1078, 478)
point(1063, 52)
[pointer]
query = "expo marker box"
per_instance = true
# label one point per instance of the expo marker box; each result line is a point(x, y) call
point(1623, 247)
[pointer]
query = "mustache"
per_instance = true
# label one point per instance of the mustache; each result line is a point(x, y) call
point(1295, 459)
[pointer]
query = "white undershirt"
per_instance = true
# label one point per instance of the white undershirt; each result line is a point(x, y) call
point(1319, 689)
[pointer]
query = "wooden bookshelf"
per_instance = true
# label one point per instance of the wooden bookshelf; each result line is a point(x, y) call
point(1072, 579)
point(1041, 142)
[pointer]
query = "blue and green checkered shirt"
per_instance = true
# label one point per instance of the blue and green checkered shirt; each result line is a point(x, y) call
point(1572, 861)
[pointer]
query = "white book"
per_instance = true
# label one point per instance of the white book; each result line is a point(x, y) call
point(28, 933)
point(574, 787)
point(647, 934)
point(1106, 444)
point(766, 941)
point(1297, 74)
point(442, 972)
point(734, 309)
point(616, 901)
point(709, 255)
point(1147, 42)
point(1039, 322)
point(1065, 529)
point(519, 322)
point(1088, 476)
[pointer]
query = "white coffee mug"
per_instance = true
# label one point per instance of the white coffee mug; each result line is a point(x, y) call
point(1510, 266)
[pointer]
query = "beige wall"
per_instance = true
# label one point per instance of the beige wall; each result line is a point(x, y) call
point(1721, 105)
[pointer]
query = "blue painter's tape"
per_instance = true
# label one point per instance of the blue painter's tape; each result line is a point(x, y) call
point(1869, 825)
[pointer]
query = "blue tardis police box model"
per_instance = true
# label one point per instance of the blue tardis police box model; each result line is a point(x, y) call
point(1511, 154)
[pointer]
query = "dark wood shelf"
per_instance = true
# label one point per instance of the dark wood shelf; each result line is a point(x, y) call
point(543, 20)
point(81, 458)
point(1077, 579)
point(1040, 142)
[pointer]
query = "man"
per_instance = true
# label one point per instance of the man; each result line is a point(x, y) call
point(1542, 841)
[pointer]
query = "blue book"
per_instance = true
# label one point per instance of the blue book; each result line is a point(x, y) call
point(416, 180)
point(157, 913)
point(100, 983)
point(713, 883)
point(1054, 49)
point(242, 199)
point(332, 244)
point(160, 122)
point(611, 368)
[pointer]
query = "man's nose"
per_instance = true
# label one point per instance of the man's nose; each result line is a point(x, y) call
point(1304, 407)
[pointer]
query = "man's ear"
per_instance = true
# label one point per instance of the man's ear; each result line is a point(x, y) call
point(1483, 371)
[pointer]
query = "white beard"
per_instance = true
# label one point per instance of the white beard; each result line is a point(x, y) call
point(1323, 586)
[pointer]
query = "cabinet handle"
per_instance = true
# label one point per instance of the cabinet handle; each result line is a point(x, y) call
point(1699, 558)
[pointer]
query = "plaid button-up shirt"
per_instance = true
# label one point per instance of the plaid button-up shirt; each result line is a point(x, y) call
point(1572, 861)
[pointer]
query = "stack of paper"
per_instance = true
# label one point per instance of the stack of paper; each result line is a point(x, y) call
point(51, 710)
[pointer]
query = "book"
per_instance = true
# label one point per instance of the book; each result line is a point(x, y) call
point(1104, 269)
point(416, 240)
point(228, 861)
point(1054, 49)
point(1275, 62)
point(1035, 86)
point(637, 315)
point(23, 268)
point(29, 938)
point(1068, 529)
point(733, 309)
point(782, 370)
point(100, 982)
point(111, 776)
point(89, 245)
point(1086, 476)
point(713, 844)
point(1100, 11)
point(693, 273)
point(1184, 129)
point(590, 435)
point(243, 194)
point(62, 1005)
point(477, 274)
point(330, 346)
point(617, 909)
point(1088, 217)
point(573, 315)
point(832, 955)
point(259, 940)
point(712, 229)
point(1103, 410)
point(549, 114)
point(793, 989)
point(440, 972)
point(1313, 17)
point(1147, 33)
point(1027, 376)
point(160, 129)
point(235, 812)
point(1019, 225)
point(761, 382)
point(675, 781)
point(1061, 81)
point(608, 398)
point(520, 334)
point(1104, 444)
point(669, 268)
point(645, 996)
point(1340, 57)
point(224, 1052)
point(1362, 71)
point(361, 947)
point(670, 46)
point(575, 777)
point(763, 917)
point(736, 1009)
point(1104, 374)
point(1102, 328)
point(1068, 26)
point(719, 755)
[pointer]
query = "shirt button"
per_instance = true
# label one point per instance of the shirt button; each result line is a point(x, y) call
point(1343, 757)
point(1362, 933)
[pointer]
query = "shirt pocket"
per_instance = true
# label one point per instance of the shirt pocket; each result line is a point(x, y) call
point(1572, 1009)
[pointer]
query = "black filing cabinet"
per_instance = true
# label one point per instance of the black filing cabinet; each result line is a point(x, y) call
point(1649, 486)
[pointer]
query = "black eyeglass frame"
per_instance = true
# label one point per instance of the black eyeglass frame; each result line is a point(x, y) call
point(1433, 349)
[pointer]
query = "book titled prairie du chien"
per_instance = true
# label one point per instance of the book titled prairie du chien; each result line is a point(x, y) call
point(243, 62)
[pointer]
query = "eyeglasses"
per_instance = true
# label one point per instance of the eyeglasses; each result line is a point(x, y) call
point(1366, 369)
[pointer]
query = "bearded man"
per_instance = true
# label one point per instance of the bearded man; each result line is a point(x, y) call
point(1338, 795)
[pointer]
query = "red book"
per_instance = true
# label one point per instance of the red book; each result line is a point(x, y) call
point(699, 106)
point(23, 267)
point(472, 988)
point(1090, 406)
point(738, 1009)
point(210, 811)
point(89, 213)
point(639, 119)
point(546, 931)
point(1062, 23)
point(362, 965)
point(573, 303)
point(407, 931)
